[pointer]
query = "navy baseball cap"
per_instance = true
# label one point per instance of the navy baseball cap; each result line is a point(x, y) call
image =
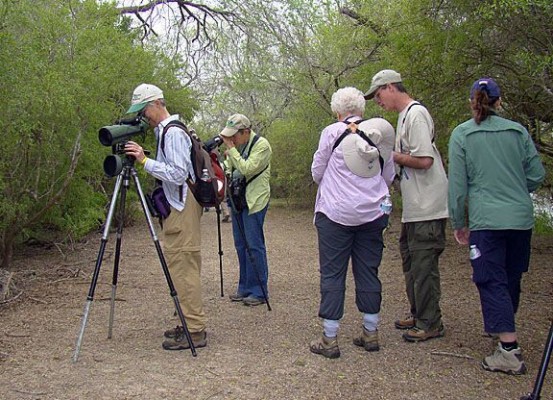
point(486, 84)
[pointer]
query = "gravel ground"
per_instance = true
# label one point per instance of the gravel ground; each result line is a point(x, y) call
point(252, 353)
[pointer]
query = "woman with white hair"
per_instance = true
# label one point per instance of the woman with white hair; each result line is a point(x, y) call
point(353, 168)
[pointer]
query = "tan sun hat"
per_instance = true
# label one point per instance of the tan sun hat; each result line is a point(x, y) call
point(382, 134)
point(234, 124)
point(142, 95)
point(360, 157)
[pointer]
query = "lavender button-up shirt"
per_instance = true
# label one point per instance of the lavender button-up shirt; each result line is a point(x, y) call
point(344, 197)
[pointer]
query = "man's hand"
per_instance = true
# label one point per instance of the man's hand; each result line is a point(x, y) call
point(462, 235)
point(135, 150)
point(228, 141)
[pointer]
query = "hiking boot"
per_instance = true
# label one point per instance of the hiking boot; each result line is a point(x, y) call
point(236, 297)
point(406, 323)
point(325, 346)
point(419, 335)
point(252, 301)
point(173, 333)
point(181, 342)
point(368, 340)
point(506, 361)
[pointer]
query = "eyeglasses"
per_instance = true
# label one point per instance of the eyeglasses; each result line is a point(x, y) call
point(377, 93)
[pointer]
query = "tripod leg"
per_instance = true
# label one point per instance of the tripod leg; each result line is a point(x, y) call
point(118, 242)
point(218, 210)
point(162, 261)
point(535, 395)
point(99, 259)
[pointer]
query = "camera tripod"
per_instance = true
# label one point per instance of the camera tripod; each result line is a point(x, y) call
point(121, 186)
point(535, 395)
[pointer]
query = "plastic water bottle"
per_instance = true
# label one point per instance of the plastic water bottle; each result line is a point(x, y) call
point(386, 205)
point(205, 175)
point(474, 252)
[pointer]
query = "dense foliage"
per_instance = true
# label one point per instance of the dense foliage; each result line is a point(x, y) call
point(69, 67)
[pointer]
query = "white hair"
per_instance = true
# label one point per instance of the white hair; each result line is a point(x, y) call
point(348, 100)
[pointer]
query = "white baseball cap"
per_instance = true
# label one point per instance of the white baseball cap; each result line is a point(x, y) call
point(142, 95)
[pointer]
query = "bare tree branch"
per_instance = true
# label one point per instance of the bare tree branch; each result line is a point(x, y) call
point(361, 20)
point(196, 13)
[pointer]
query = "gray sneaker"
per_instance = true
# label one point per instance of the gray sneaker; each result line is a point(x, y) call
point(253, 301)
point(507, 361)
point(368, 340)
point(325, 346)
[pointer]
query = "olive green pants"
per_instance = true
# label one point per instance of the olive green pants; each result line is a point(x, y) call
point(421, 244)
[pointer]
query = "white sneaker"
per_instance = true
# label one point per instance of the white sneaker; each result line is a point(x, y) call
point(507, 361)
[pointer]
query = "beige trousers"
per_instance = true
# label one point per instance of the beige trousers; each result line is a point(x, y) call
point(182, 249)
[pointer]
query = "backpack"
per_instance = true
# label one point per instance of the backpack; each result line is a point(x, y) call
point(210, 183)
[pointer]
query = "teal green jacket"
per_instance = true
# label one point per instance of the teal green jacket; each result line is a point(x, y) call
point(493, 166)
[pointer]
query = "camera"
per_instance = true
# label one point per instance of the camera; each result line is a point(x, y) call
point(117, 136)
point(212, 143)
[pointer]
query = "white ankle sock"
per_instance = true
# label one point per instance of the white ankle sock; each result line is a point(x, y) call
point(370, 321)
point(330, 327)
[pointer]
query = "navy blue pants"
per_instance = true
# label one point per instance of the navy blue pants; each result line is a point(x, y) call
point(337, 244)
point(497, 274)
point(248, 233)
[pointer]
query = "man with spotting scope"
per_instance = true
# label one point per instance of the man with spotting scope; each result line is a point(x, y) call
point(181, 229)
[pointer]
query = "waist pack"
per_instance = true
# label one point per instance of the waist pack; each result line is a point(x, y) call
point(158, 204)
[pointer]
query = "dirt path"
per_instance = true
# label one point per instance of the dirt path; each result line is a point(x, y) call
point(252, 353)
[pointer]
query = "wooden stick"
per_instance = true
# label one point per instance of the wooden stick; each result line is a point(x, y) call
point(445, 353)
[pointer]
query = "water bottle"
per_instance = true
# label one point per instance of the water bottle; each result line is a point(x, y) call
point(474, 252)
point(386, 205)
point(205, 175)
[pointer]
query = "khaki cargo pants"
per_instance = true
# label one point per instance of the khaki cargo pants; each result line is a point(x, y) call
point(181, 246)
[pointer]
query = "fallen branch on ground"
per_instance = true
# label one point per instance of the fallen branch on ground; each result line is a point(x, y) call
point(445, 353)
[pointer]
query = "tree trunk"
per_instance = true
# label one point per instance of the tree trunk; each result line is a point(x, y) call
point(7, 250)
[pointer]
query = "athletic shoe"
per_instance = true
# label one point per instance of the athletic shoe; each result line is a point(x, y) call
point(253, 301)
point(419, 335)
point(236, 297)
point(506, 361)
point(367, 340)
point(325, 346)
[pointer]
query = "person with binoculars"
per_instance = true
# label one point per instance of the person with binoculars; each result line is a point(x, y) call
point(248, 163)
